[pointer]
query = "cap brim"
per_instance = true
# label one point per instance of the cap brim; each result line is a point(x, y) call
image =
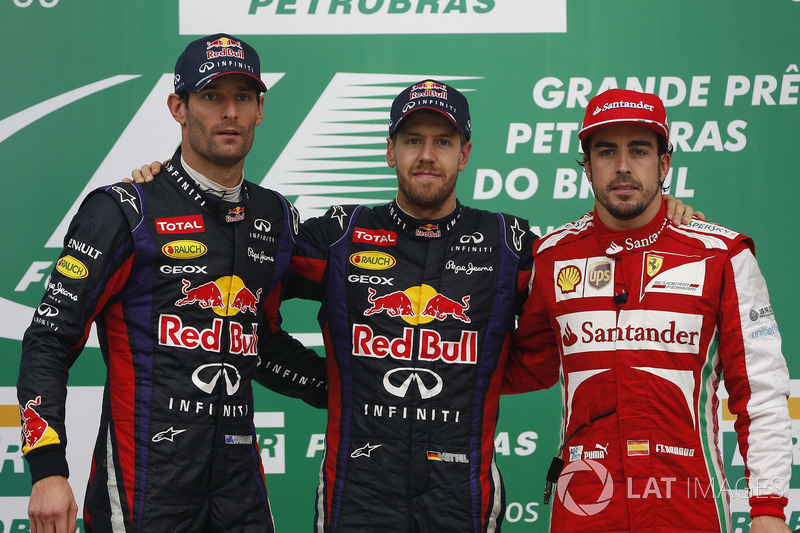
point(441, 112)
point(258, 80)
point(657, 127)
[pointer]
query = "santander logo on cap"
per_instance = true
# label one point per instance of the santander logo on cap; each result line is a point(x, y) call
point(621, 106)
point(623, 103)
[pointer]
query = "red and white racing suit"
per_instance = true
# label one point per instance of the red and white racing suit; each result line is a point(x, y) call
point(648, 322)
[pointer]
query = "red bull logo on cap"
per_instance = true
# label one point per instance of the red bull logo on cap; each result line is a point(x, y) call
point(227, 45)
point(226, 296)
point(429, 89)
point(429, 85)
point(223, 42)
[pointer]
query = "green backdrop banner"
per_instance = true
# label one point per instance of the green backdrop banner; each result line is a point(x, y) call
point(84, 101)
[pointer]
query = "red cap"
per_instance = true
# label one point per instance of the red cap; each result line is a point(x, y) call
point(620, 106)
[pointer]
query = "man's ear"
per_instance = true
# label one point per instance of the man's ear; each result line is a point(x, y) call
point(260, 109)
point(665, 163)
point(177, 107)
point(466, 148)
point(390, 159)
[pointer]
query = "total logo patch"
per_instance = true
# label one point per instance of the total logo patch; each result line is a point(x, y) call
point(72, 268)
point(184, 249)
point(377, 237)
point(372, 260)
point(178, 225)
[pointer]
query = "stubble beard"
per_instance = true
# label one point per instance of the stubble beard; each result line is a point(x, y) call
point(431, 195)
point(628, 210)
point(207, 145)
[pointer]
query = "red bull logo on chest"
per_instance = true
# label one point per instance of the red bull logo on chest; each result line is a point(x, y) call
point(366, 343)
point(418, 305)
point(226, 296)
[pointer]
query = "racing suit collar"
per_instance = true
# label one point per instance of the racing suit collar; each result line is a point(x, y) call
point(619, 242)
point(424, 229)
point(224, 211)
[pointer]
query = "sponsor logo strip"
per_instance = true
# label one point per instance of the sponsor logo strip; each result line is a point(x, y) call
point(372, 260)
point(595, 331)
point(184, 249)
point(176, 225)
point(335, 17)
point(72, 268)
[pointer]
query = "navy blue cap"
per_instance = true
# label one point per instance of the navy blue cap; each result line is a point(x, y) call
point(431, 94)
point(213, 56)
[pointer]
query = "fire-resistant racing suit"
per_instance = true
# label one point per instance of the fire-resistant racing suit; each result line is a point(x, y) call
point(648, 322)
point(184, 289)
point(416, 318)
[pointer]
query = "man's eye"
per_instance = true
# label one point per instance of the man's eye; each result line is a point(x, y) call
point(209, 96)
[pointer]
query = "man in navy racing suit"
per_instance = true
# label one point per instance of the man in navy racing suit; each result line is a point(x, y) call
point(183, 278)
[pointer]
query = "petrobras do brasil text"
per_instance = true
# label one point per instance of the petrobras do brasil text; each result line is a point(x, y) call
point(553, 99)
point(370, 7)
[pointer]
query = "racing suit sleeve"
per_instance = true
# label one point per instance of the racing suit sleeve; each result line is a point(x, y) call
point(309, 262)
point(534, 359)
point(93, 266)
point(757, 381)
point(309, 266)
point(286, 366)
point(289, 368)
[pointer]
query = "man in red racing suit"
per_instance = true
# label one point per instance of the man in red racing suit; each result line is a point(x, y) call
point(648, 319)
